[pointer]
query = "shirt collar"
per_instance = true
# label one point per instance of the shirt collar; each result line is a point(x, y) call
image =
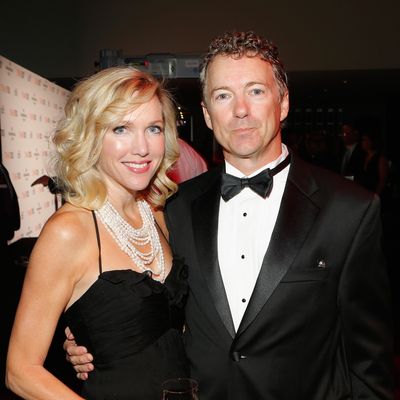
point(230, 169)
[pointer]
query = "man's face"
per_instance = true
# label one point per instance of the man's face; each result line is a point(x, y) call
point(244, 109)
point(349, 135)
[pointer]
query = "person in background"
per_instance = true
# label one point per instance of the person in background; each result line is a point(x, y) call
point(351, 160)
point(289, 297)
point(10, 214)
point(375, 170)
point(102, 261)
point(315, 149)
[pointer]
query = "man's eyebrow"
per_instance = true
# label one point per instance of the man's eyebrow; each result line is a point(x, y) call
point(248, 84)
point(256, 83)
point(220, 88)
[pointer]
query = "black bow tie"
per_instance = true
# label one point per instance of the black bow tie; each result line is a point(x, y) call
point(260, 184)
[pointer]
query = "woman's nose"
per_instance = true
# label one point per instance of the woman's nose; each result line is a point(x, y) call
point(139, 144)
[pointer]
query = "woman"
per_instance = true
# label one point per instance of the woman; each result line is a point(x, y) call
point(103, 258)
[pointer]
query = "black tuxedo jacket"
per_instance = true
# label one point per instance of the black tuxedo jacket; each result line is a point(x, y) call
point(318, 324)
point(355, 164)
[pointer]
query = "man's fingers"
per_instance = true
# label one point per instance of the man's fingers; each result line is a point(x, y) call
point(77, 351)
point(68, 333)
point(83, 360)
point(82, 376)
point(68, 343)
point(83, 367)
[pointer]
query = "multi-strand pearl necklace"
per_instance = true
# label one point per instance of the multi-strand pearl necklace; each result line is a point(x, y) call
point(129, 239)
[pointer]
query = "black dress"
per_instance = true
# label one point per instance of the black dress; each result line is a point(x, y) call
point(132, 325)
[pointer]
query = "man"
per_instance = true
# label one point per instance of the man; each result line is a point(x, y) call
point(288, 293)
point(352, 157)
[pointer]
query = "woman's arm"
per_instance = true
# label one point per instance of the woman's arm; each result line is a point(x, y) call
point(53, 270)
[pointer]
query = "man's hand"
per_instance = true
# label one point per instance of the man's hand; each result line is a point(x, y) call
point(78, 356)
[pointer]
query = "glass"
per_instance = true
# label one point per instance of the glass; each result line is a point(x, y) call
point(180, 389)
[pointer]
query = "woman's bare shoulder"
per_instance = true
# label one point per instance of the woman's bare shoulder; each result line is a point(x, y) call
point(68, 229)
point(65, 246)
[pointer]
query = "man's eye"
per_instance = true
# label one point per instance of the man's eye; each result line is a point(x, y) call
point(120, 129)
point(221, 96)
point(155, 129)
point(257, 91)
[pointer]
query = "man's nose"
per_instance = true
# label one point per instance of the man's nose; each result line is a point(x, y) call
point(241, 109)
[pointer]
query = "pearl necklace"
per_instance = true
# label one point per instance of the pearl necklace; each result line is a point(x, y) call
point(128, 238)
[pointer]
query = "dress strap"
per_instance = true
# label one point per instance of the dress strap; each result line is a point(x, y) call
point(98, 240)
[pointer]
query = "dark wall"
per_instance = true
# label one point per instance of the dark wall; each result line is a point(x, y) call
point(63, 38)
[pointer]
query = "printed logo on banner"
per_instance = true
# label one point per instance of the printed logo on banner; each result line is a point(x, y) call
point(26, 174)
point(5, 88)
point(20, 73)
point(11, 135)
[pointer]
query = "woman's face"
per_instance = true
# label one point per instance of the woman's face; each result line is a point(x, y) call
point(366, 143)
point(133, 150)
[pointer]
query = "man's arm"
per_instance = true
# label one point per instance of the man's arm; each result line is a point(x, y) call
point(365, 310)
point(78, 356)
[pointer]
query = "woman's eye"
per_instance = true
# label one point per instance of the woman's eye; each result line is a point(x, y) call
point(120, 129)
point(155, 129)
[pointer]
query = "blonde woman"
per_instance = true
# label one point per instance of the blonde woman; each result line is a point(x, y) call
point(103, 260)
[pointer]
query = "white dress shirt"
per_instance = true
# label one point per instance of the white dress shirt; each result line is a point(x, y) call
point(245, 226)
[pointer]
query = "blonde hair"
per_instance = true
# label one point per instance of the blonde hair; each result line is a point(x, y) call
point(99, 103)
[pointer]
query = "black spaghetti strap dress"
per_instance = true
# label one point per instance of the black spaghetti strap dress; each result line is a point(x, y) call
point(132, 325)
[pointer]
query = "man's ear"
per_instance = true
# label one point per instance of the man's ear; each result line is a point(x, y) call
point(206, 115)
point(284, 106)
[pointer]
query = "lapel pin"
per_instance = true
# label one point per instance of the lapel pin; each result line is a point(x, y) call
point(321, 264)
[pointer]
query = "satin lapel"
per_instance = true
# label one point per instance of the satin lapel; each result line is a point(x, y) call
point(296, 216)
point(205, 210)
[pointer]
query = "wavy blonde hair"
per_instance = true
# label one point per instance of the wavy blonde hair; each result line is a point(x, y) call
point(97, 104)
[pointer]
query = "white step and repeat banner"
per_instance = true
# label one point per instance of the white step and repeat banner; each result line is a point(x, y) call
point(30, 107)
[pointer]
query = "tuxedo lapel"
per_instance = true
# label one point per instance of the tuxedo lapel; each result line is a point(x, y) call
point(205, 210)
point(290, 231)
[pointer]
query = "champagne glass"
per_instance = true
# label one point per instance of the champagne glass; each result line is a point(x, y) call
point(180, 389)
